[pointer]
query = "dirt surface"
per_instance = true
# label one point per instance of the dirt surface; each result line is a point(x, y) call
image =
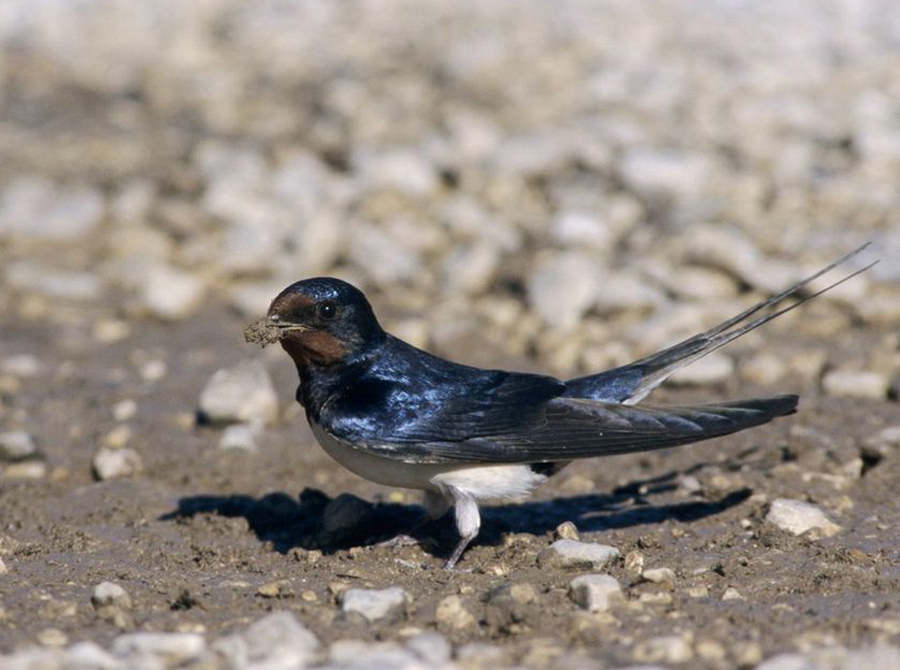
point(197, 532)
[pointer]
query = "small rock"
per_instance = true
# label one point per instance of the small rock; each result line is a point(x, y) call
point(124, 410)
point(433, 648)
point(280, 641)
point(659, 576)
point(52, 283)
point(376, 605)
point(581, 230)
point(566, 531)
point(634, 563)
point(33, 469)
point(451, 614)
point(16, 446)
point(787, 662)
point(23, 366)
point(470, 270)
point(116, 463)
point(240, 436)
point(511, 604)
point(172, 648)
point(857, 384)
point(799, 517)
point(764, 369)
point(110, 594)
point(732, 593)
point(574, 555)
point(888, 437)
point(171, 294)
point(665, 649)
point(562, 289)
point(52, 637)
point(595, 593)
point(89, 656)
point(362, 655)
point(280, 588)
point(240, 394)
point(716, 368)
point(35, 208)
point(3, 569)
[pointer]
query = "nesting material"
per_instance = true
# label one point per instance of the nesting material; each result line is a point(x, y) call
point(259, 332)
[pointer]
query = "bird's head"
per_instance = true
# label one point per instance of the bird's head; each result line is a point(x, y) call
point(323, 322)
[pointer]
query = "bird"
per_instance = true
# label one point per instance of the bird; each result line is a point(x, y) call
point(399, 416)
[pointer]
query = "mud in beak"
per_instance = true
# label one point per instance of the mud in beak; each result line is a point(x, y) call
point(269, 330)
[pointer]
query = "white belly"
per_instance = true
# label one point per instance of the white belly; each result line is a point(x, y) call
point(482, 482)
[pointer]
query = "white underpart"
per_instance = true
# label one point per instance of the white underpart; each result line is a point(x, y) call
point(480, 482)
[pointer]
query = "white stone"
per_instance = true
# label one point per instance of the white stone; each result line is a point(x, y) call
point(716, 368)
point(241, 436)
point(404, 171)
point(111, 463)
point(35, 208)
point(562, 288)
point(787, 662)
point(89, 656)
point(30, 469)
point(582, 230)
point(50, 282)
point(124, 409)
point(17, 445)
point(659, 575)
point(240, 394)
point(375, 604)
point(857, 384)
point(799, 517)
point(362, 655)
point(279, 640)
point(3, 569)
point(666, 173)
point(433, 648)
point(469, 270)
point(575, 555)
point(595, 593)
point(171, 294)
point(173, 648)
point(107, 594)
point(665, 648)
point(889, 437)
point(23, 366)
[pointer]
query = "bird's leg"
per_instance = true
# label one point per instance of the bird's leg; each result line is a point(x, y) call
point(468, 522)
point(436, 506)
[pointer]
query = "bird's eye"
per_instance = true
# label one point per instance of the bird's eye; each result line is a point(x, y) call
point(327, 309)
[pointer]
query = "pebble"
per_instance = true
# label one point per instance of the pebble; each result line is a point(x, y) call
point(171, 294)
point(665, 649)
point(659, 576)
point(110, 594)
point(240, 394)
point(124, 410)
point(376, 604)
point(732, 593)
point(451, 613)
point(3, 569)
point(171, 648)
point(575, 555)
point(280, 588)
point(17, 445)
point(789, 661)
point(595, 593)
point(562, 288)
point(23, 366)
point(110, 463)
point(856, 384)
point(279, 640)
point(35, 208)
point(89, 656)
point(566, 531)
point(53, 283)
point(799, 517)
point(241, 436)
point(33, 469)
point(433, 648)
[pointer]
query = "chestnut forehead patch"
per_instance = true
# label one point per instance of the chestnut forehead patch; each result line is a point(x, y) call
point(291, 302)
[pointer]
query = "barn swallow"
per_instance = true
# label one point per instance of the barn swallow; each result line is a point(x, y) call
point(399, 416)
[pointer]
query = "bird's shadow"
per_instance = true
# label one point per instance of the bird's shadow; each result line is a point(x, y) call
point(313, 520)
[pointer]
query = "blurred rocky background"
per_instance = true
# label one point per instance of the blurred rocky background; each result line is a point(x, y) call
point(564, 186)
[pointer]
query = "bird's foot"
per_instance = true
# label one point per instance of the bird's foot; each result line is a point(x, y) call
point(401, 540)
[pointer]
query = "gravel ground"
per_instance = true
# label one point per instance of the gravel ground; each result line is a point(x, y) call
point(560, 187)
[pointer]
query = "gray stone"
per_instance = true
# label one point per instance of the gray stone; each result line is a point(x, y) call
point(17, 445)
point(376, 604)
point(23, 366)
point(857, 384)
point(595, 593)
point(659, 575)
point(799, 517)
point(171, 294)
point(111, 463)
point(35, 208)
point(562, 288)
point(361, 655)
point(575, 555)
point(279, 640)
point(787, 662)
point(172, 648)
point(89, 656)
point(240, 394)
point(433, 648)
point(240, 436)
